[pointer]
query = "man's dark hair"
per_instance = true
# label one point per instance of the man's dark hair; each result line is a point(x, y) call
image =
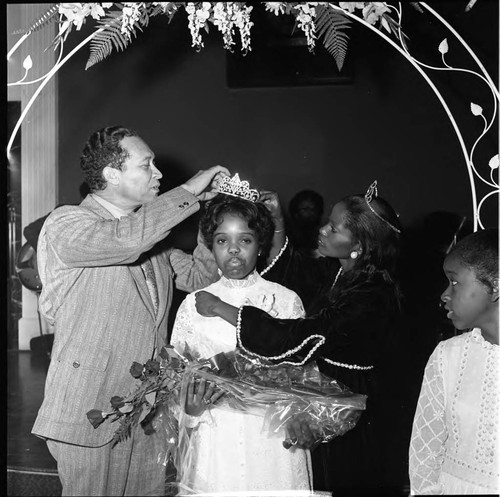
point(103, 149)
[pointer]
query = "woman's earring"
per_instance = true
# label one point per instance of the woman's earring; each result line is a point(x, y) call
point(354, 254)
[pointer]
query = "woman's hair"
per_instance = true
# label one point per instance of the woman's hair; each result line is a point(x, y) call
point(376, 234)
point(379, 240)
point(256, 214)
point(479, 253)
point(103, 148)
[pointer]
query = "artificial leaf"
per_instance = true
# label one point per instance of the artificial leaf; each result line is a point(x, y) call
point(116, 402)
point(416, 6)
point(40, 22)
point(385, 24)
point(470, 5)
point(136, 369)
point(28, 63)
point(476, 109)
point(443, 46)
point(96, 417)
point(164, 352)
point(151, 368)
point(126, 408)
point(146, 409)
point(494, 162)
point(150, 398)
point(330, 24)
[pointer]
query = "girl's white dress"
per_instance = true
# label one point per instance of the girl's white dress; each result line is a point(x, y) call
point(454, 443)
point(230, 451)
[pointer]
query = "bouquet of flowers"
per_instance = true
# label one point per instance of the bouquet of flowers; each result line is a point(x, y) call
point(277, 392)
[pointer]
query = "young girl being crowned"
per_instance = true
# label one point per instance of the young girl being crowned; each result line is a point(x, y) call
point(228, 449)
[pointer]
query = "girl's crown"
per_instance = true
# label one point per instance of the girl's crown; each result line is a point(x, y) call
point(237, 188)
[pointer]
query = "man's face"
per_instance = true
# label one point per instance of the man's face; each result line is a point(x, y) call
point(139, 179)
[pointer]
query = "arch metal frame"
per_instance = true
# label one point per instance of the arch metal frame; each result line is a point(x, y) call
point(424, 70)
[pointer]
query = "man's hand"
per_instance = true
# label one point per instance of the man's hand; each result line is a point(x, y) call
point(202, 179)
point(206, 303)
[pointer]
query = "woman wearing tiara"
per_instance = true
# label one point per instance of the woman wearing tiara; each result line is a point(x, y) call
point(348, 325)
point(227, 451)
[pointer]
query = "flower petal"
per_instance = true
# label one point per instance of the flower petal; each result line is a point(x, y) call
point(96, 417)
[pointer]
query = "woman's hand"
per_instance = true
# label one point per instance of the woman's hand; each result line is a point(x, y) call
point(302, 433)
point(272, 202)
point(206, 303)
point(201, 394)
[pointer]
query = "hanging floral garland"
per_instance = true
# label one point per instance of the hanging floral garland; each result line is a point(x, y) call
point(117, 23)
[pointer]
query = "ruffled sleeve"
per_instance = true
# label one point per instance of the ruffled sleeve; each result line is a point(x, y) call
point(429, 431)
point(183, 330)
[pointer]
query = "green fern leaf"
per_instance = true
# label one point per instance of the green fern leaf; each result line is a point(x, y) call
point(42, 21)
point(331, 25)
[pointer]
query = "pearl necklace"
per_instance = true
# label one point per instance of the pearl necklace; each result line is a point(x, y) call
point(276, 259)
point(337, 277)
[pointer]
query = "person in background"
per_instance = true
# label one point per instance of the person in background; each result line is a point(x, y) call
point(346, 330)
point(306, 212)
point(230, 452)
point(106, 296)
point(454, 441)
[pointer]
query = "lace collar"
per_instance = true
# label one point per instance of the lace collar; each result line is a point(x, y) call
point(477, 336)
point(250, 280)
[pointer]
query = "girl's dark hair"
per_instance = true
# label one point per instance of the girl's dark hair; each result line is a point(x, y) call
point(103, 148)
point(479, 253)
point(380, 242)
point(256, 214)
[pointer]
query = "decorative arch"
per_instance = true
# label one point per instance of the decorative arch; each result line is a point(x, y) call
point(305, 19)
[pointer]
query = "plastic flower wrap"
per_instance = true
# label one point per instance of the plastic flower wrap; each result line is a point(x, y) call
point(278, 393)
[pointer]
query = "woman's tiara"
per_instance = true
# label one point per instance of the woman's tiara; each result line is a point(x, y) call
point(373, 192)
point(237, 188)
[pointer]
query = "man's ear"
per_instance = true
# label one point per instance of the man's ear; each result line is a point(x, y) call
point(111, 175)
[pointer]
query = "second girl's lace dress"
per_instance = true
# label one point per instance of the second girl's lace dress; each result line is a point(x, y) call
point(230, 451)
point(454, 444)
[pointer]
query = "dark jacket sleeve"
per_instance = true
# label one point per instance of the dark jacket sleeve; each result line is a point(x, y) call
point(310, 278)
point(354, 329)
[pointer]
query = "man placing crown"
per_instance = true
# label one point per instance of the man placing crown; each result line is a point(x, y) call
point(106, 293)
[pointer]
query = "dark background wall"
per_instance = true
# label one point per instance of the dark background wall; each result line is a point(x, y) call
point(386, 123)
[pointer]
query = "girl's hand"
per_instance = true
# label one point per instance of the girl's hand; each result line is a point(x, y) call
point(201, 394)
point(206, 303)
point(302, 433)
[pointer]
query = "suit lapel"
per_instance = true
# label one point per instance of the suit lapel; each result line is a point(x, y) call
point(135, 269)
point(160, 285)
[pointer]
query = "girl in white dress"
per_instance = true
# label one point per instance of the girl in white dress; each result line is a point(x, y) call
point(455, 440)
point(229, 450)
